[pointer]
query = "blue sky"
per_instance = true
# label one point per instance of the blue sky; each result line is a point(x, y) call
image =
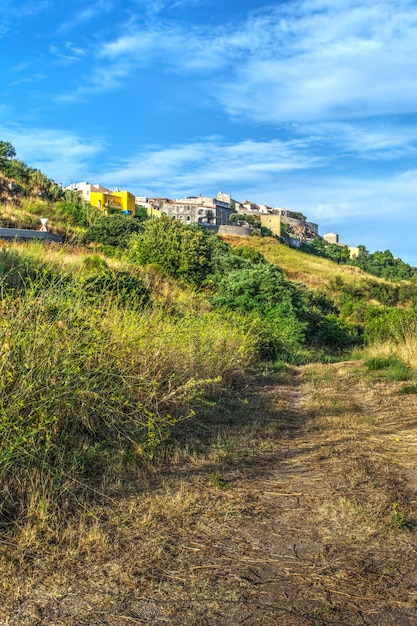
point(309, 105)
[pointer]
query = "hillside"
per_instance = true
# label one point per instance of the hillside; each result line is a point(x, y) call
point(313, 271)
point(195, 431)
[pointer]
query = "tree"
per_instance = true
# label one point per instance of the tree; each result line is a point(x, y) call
point(384, 264)
point(7, 152)
point(179, 251)
point(113, 230)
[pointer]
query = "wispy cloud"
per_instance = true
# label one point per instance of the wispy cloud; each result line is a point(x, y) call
point(323, 60)
point(156, 7)
point(60, 154)
point(302, 61)
point(12, 12)
point(189, 168)
point(380, 140)
point(87, 14)
point(67, 52)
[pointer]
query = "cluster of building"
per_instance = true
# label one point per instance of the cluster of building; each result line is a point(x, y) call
point(104, 199)
point(213, 213)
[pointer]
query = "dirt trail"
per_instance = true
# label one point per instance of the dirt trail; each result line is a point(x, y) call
point(303, 515)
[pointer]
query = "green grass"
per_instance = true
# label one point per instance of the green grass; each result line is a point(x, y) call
point(408, 389)
point(90, 386)
point(391, 367)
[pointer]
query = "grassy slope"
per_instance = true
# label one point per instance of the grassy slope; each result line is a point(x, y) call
point(192, 536)
point(27, 211)
point(313, 271)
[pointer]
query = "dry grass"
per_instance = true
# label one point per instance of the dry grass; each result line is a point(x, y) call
point(304, 528)
point(289, 499)
point(313, 271)
point(407, 350)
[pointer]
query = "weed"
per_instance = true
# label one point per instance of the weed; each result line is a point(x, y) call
point(408, 389)
point(398, 518)
point(220, 482)
point(225, 449)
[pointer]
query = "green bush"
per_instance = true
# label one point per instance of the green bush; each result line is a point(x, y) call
point(180, 251)
point(121, 287)
point(274, 303)
point(250, 254)
point(390, 324)
point(113, 230)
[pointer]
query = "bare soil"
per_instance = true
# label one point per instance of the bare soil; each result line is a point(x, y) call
point(295, 505)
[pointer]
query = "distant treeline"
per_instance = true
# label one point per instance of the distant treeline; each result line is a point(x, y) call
point(382, 264)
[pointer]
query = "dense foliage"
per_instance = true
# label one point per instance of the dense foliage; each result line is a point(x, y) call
point(385, 265)
point(113, 230)
point(290, 316)
point(382, 264)
point(178, 251)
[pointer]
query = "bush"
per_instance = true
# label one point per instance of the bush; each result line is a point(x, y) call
point(181, 252)
point(271, 301)
point(390, 324)
point(113, 230)
point(121, 287)
point(250, 254)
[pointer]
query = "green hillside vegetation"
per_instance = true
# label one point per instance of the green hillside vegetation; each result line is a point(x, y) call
point(112, 351)
point(27, 195)
point(382, 264)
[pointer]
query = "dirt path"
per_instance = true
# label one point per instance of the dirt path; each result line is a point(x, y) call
point(298, 509)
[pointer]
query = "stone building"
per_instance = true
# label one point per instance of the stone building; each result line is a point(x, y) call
point(199, 210)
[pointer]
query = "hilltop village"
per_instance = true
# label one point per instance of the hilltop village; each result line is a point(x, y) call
point(222, 214)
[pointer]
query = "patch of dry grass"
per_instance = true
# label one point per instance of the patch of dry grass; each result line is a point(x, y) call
point(304, 532)
point(313, 271)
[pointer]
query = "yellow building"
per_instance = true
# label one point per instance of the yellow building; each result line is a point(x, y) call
point(113, 201)
point(152, 211)
point(128, 201)
point(271, 221)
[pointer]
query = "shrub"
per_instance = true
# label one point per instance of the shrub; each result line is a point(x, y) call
point(113, 230)
point(180, 251)
point(390, 324)
point(121, 287)
point(250, 254)
point(270, 300)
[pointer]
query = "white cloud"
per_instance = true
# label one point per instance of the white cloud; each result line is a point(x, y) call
point(183, 169)
point(382, 140)
point(346, 60)
point(83, 16)
point(60, 154)
point(301, 61)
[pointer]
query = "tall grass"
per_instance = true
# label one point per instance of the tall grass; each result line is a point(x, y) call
point(88, 387)
point(393, 331)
